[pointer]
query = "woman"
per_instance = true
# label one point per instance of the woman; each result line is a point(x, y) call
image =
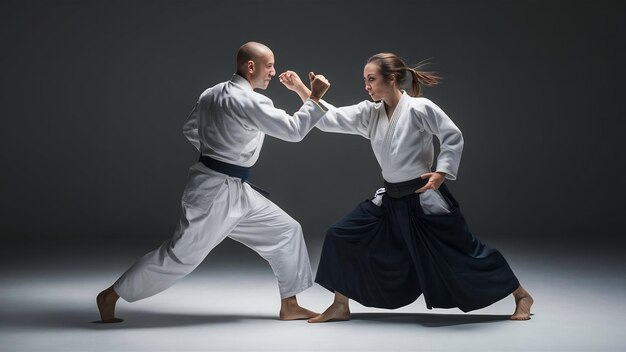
point(411, 238)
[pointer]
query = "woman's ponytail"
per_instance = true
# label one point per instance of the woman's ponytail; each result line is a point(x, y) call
point(420, 78)
point(410, 79)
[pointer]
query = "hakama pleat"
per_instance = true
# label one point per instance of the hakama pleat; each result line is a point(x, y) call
point(387, 256)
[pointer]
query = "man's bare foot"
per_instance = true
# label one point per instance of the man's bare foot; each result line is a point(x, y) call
point(106, 305)
point(338, 311)
point(291, 310)
point(523, 302)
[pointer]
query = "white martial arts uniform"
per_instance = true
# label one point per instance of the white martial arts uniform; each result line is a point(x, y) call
point(403, 145)
point(229, 124)
point(389, 256)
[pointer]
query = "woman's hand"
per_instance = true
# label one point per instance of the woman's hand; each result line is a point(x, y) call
point(435, 179)
point(319, 86)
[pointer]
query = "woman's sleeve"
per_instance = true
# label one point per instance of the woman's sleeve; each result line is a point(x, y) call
point(436, 122)
point(353, 119)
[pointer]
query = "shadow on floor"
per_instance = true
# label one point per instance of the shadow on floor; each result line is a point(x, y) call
point(429, 319)
point(142, 319)
point(147, 319)
point(132, 320)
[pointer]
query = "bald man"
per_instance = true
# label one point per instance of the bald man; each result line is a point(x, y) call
point(227, 126)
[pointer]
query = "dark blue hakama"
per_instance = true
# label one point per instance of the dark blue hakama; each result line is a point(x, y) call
point(388, 256)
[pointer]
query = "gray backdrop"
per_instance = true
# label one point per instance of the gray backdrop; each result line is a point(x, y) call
point(93, 95)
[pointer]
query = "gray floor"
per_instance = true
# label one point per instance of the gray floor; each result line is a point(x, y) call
point(232, 305)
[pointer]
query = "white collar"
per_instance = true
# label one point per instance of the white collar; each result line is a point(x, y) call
point(240, 81)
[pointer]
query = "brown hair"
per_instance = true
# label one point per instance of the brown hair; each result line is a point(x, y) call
point(392, 65)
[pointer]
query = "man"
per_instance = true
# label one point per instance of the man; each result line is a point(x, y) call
point(228, 125)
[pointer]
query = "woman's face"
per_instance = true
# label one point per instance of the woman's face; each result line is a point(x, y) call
point(375, 84)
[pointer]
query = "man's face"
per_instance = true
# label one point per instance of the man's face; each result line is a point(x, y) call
point(263, 71)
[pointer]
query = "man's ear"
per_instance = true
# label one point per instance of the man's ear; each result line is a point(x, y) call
point(250, 66)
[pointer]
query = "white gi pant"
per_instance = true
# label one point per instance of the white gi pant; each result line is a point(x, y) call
point(216, 206)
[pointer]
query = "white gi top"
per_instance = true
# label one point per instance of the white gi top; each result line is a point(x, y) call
point(403, 145)
point(230, 121)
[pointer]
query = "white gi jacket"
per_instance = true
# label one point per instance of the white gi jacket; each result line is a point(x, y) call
point(403, 145)
point(230, 121)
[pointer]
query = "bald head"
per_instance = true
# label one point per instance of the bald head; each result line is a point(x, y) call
point(255, 62)
point(251, 51)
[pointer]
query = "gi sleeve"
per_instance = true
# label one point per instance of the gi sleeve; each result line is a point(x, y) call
point(275, 122)
point(190, 128)
point(353, 119)
point(436, 122)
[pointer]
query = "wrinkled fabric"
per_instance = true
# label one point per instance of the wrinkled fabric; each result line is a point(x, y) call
point(216, 206)
point(229, 123)
point(387, 256)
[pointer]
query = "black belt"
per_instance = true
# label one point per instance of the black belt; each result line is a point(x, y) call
point(231, 170)
point(402, 189)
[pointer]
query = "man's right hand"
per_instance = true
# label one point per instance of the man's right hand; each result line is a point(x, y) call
point(319, 86)
point(292, 81)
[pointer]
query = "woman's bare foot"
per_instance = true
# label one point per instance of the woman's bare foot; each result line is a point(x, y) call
point(338, 311)
point(523, 302)
point(291, 310)
point(106, 305)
